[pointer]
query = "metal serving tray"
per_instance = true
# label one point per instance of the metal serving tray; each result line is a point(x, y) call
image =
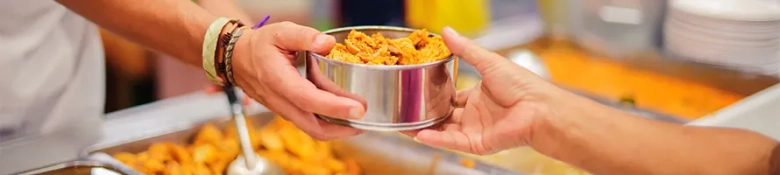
point(79, 167)
point(376, 153)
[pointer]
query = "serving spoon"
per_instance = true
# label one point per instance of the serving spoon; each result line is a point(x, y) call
point(249, 163)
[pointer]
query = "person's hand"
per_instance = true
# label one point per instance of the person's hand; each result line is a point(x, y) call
point(499, 113)
point(264, 68)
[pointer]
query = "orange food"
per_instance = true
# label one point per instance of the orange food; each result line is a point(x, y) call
point(213, 149)
point(468, 163)
point(419, 47)
point(573, 68)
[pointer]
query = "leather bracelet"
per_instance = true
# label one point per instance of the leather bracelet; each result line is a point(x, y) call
point(231, 45)
point(229, 55)
point(219, 59)
point(210, 46)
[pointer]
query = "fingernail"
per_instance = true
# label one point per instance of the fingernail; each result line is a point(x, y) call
point(355, 113)
point(451, 31)
point(415, 139)
point(320, 40)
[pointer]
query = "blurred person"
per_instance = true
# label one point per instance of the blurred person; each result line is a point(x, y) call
point(51, 61)
point(513, 107)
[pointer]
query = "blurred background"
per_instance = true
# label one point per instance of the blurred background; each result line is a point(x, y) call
point(676, 60)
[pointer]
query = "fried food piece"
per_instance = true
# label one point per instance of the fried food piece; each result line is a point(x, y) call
point(417, 48)
point(352, 167)
point(404, 49)
point(433, 48)
point(205, 153)
point(212, 151)
point(154, 166)
point(125, 157)
point(271, 140)
point(159, 151)
point(179, 154)
point(340, 52)
point(336, 165)
point(468, 163)
point(208, 134)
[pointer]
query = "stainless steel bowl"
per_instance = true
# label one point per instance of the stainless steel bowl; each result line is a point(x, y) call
point(398, 97)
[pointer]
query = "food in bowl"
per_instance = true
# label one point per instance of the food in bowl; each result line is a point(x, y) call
point(213, 149)
point(399, 95)
point(417, 48)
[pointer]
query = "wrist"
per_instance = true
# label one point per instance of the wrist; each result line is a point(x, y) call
point(242, 55)
point(552, 132)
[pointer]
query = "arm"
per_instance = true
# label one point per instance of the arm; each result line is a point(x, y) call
point(226, 8)
point(603, 140)
point(175, 27)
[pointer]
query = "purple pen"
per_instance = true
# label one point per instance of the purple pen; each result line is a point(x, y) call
point(258, 25)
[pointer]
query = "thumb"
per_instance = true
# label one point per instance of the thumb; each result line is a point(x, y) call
point(484, 60)
point(293, 37)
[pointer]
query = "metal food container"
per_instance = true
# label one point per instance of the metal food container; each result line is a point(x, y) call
point(397, 97)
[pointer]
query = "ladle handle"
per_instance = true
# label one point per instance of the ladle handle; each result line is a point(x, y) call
point(237, 110)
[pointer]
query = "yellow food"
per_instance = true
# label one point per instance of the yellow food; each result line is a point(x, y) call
point(468, 163)
point(213, 149)
point(419, 47)
point(576, 69)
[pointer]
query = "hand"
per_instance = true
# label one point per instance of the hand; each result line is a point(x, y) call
point(499, 113)
point(264, 68)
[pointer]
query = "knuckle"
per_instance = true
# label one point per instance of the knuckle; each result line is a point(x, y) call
point(286, 23)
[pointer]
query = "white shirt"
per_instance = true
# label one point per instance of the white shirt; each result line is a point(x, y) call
point(52, 83)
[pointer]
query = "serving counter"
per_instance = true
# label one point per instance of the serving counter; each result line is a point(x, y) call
point(176, 119)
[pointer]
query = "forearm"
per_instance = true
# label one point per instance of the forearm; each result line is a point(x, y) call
point(175, 27)
point(603, 140)
point(226, 8)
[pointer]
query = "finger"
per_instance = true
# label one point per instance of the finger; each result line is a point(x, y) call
point(334, 131)
point(293, 37)
point(410, 133)
point(461, 97)
point(472, 53)
point(444, 139)
point(457, 116)
point(454, 119)
point(306, 96)
point(322, 82)
point(307, 122)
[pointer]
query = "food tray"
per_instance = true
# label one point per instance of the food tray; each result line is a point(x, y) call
point(467, 70)
point(376, 153)
point(79, 167)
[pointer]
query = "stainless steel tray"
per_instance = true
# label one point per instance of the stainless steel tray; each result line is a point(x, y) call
point(376, 153)
point(79, 167)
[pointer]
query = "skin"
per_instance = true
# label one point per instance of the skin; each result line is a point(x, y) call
point(513, 107)
point(262, 58)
